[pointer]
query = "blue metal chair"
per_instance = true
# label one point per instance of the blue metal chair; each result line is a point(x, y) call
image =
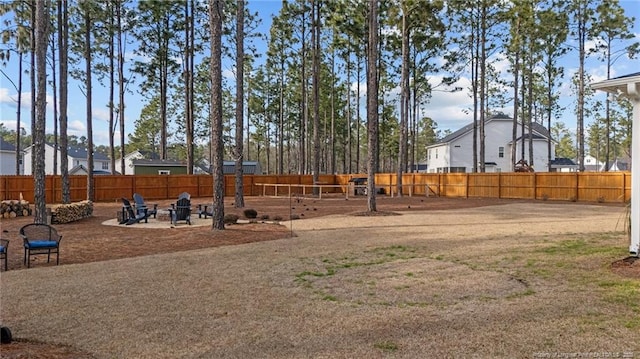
point(38, 239)
point(4, 248)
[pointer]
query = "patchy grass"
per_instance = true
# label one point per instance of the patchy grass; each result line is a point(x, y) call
point(387, 346)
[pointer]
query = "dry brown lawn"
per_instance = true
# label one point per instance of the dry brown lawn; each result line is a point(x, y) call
point(444, 278)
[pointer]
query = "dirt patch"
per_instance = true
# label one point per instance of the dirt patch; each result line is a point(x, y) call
point(627, 267)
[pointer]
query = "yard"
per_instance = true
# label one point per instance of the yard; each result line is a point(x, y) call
point(444, 277)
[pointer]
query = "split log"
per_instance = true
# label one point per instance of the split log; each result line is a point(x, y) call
point(18, 207)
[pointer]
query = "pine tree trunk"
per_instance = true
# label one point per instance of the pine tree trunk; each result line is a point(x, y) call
point(215, 24)
point(63, 21)
point(40, 54)
point(315, 40)
point(372, 104)
point(239, 195)
point(88, 85)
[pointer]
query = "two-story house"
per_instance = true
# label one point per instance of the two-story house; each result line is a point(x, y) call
point(454, 153)
point(76, 157)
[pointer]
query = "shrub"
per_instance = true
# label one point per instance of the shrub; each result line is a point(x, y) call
point(264, 217)
point(250, 213)
point(277, 218)
point(294, 217)
point(230, 218)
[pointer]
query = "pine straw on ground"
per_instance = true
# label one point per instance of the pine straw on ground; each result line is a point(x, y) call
point(413, 284)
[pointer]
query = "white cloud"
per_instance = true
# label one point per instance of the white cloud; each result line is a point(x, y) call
point(228, 74)
point(101, 114)
point(6, 97)
point(77, 128)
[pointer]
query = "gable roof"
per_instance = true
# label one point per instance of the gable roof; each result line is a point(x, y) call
point(540, 129)
point(562, 161)
point(6, 146)
point(79, 152)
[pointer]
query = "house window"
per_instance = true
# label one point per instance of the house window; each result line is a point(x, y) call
point(436, 153)
point(164, 172)
point(501, 152)
point(77, 162)
point(105, 165)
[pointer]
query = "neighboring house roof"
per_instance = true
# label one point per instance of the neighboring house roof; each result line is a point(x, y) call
point(79, 152)
point(248, 167)
point(155, 163)
point(540, 129)
point(82, 170)
point(561, 161)
point(618, 165)
point(6, 146)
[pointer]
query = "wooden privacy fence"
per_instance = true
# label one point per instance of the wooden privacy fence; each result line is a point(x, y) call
point(586, 186)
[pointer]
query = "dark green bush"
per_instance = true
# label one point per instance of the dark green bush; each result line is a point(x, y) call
point(231, 218)
point(250, 213)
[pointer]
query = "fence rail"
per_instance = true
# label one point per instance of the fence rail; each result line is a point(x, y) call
point(586, 186)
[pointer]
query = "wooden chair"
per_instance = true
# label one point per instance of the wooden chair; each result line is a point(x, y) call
point(4, 248)
point(38, 239)
point(181, 210)
point(129, 216)
point(141, 206)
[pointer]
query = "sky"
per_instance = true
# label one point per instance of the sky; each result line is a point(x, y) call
point(449, 110)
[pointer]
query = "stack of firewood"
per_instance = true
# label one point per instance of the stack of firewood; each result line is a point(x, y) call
point(14, 208)
point(65, 213)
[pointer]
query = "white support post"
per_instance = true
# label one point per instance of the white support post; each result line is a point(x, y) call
point(634, 247)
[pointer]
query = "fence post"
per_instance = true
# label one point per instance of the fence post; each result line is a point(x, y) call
point(577, 185)
point(466, 195)
point(535, 186)
point(624, 184)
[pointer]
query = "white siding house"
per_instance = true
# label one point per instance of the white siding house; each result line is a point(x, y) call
point(7, 158)
point(454, 153)
point(76, 156)
point(129, 168)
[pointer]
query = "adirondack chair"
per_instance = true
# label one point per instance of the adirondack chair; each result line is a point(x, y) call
point(129, 216)
point(38, 239)
point(181, 210)
point(4, 247)
point(141, 206)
